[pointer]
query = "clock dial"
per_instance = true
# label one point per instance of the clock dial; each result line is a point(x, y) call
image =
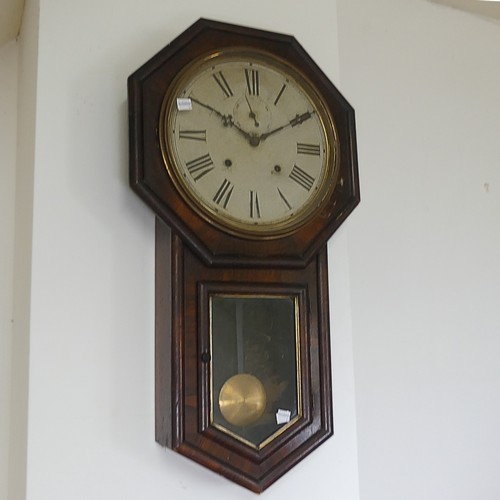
point(249, 144)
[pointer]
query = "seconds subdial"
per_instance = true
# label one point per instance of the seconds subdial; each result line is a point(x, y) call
point(252, 114)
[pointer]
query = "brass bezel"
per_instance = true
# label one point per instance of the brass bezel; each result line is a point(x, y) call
point(219, 219)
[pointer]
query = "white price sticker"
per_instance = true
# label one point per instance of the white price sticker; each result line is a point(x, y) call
point(184, 104)
point(283, 416)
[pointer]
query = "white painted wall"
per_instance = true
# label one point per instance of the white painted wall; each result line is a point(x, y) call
point(424, 248)
point(416, 263)
point(26, 130)
point(91, 374)
point(8, 129)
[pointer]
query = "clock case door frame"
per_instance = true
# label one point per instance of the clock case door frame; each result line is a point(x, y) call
point(208, 290)
point(182, 392)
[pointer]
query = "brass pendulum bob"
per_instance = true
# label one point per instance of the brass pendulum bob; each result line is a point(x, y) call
point(242, 399)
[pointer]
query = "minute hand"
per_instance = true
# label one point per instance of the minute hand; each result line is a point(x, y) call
point(297, 120)
point(227, 120)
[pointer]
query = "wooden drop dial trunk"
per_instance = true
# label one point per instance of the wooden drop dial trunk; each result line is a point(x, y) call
point(246, 152)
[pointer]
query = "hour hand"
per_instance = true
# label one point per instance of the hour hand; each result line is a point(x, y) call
point(296, 120)
point(300, 118)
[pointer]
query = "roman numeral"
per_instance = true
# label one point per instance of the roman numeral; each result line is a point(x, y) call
point(302, 178)
point(308, 149)
point(252, 78)
point(222, 83)
point(223, 193)
point(200, 166)
point(194, 135)
point(280, 93)
point(285, 201)
point(254, 205)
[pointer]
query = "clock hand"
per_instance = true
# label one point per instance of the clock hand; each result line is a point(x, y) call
point(228, 121)
point(252, 115)
point(297, 120)
point(300, 118)
point(251, 138)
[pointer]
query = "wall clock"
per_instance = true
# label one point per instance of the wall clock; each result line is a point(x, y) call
point(246, 152)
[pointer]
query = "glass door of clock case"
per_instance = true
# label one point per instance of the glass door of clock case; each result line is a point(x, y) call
point(255, 353)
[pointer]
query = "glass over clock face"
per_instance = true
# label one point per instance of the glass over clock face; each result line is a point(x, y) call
point(248, 143)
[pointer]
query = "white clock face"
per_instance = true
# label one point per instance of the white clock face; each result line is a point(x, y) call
point(248, 143)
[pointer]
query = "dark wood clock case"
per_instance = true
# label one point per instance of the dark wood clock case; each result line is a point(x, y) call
point(194, 258)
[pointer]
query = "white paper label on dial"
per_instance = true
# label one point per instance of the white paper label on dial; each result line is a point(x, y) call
point(184, 104)
point(283, 416)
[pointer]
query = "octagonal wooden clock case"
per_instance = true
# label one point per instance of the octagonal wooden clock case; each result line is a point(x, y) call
point(246, 153)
